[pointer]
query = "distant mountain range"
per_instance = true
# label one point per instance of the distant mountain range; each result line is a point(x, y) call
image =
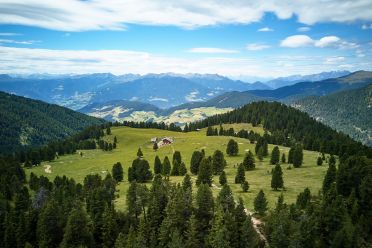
point(26, 122)
point(347, 111)
point(162, 90)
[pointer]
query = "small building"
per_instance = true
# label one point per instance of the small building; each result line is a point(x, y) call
point(167, 140)
point(154, 140)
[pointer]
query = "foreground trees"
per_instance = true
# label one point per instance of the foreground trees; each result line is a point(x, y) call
point(232, 148)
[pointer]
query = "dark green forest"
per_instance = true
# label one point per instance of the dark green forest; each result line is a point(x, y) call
point(25, 122)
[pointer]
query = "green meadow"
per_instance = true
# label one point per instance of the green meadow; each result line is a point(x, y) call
point(130, 139)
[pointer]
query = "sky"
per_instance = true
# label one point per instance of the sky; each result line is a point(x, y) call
point(241, 38)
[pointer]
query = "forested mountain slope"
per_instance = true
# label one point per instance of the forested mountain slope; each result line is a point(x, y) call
point(348, 111)
point(289, 125)
point(26, 122)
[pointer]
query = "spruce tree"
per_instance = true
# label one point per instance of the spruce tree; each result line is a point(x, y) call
point(186, 183)
point(157, 165)
point(260, 153)
point(108, 131)
point(249, 161)
point(166, 167)
point(232, 148)
point(240, 175)
point(196, 158)
point(182, 169)
point(319, 161)
point(204, 205)
point(205, 173)
point(222, 179)
point(192, 235)
point(290, 155)
point(275, 155)
point(297, 156)
point(177, 157)
point(283, 158)
point(330, 177)
point(49, 225)
point(225, 199)
point(245, 186)
point(117, 172)
point(277, 178)
point(210, 131)
point(109, 228)
point(78, 230)
point(218, 162)
point(218, 237)
point(155, 147)
point(260, 203)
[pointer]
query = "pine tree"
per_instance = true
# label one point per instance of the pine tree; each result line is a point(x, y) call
point(232, 148)
point(330, 177)
point(260, 203)
point(210, 131)
point(120, 241)
point(297, 156)
point(275, 155)
point(49, 225)
point(139, 153)
point(117, 172)
point(176, 240)
point(249, 161)
point(245, 186)
point(290, 155)
point(157, 165)
point(109, 228)
point(218, 162)
point(196, 158)
point(78, 231)
point(277, 178)
point(166, 167)
point(182, 169)
point(177, 157)
point(222, 178)
point(218, 237)
point(203, 212)
point(225, 199)
point(260, 153)
point(155, 147)
point(205, 173)
point(186, 183)
point(108, 131)
point(303, 199)
point(283, 158)
point(192, 239)
point(240, 175)
point(319, 161)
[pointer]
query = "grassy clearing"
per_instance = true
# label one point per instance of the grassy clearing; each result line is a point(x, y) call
point(97, 161)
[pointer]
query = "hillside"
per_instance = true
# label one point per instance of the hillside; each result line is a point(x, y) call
point(26, 122)
point(347, 111)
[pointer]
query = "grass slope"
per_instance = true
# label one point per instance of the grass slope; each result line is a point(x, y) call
point(97, 161)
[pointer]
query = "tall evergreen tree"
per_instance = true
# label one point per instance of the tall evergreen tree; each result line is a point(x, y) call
point(240, 174)
point(277, 178)
point(50, 225)
point(222, 179)
point(139, 153)
point(275, 155)
point(260, 203)
point(297, 156)
point(203, 212)
point(78, 231)
point(117, 172)
point(182, 169)
point(205, 173)
point(157, 165)
point(225, 199)
point(283, 158)
point(249, 161)
point(319, 161)
point(330, 177)
point(218, 162)
point(232, 148)
point(109, 228)
point(166, 167)
point(196, 158)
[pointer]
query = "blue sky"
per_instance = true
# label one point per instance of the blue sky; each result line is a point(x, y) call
point(238, 39)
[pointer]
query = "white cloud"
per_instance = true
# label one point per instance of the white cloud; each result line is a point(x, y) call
point(346, 66)
point(76, 15)
point(30, 60)
point(256, 47)
point(24, 42)
point(334, 60)
point(327, 41)
point(303, 29)
point(297, 41)
point(367, 26)
point(9, 34)
point(265, 29)
point(211, 50)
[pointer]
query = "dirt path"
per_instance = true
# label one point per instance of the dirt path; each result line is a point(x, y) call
point(256, 225)
point(48, 168)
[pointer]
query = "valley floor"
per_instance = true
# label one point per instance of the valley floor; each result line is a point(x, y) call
point(129, 140)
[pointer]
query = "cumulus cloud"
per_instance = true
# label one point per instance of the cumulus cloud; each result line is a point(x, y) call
point(303, 29)
point(76, 15)
point(256, 47)
point(211, 50)
point(265, 29)
point(297, 41)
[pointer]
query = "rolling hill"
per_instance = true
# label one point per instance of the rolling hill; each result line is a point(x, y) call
point(26, 122)
point(347, 111)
